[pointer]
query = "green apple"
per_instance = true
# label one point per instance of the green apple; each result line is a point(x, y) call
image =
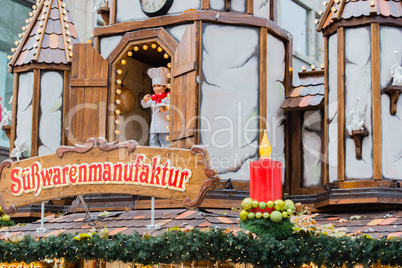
point(265, 215)
point(246, 203)
point(243, 214)
point(258, 215)
point(270, 204)
point(255, 204)
point(251, 215)
point(279, 205)
point(275, 216)
point(262, 205)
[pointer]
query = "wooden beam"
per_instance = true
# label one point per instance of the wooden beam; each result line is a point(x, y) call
point(85, 82)
point(288, 64)
point(66, 98)
point(263, 83)
point(324, 159)
point(14, 110)
point(41, 66)
point(113, 11)
point(273, 15)
point(341, 103)
point(332, 28)
point(230, 18)
point(35, 112)
point(250, 7)
point(376, 95)
point(112, 98)
point(96, 44)
point(204, 4)
point(198, 67)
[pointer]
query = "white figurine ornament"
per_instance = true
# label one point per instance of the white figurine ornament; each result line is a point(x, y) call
point(355, 119)
point(99, 4)
point(20, 147)
point(396, 72)
point(5, 115)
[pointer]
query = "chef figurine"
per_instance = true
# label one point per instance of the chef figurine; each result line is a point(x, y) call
point(159, 103)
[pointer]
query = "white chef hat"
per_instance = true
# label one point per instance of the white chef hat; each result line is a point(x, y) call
point(159, 75)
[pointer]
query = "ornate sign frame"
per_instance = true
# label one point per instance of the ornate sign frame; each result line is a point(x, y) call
point(101, 167)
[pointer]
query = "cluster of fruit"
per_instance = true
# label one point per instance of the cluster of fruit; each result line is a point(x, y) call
point(4, 217)
point(280, 209)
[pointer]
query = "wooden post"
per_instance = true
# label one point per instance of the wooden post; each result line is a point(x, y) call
point(66, 98)
point(198, 67)
point(204, 4)
point(263, 83)
point(324, 159)
point(272, 11)
point(376, 95)
point(341, 103)
point(112, 12)
point(35, 112)
point(14, 111)
point(250, 7)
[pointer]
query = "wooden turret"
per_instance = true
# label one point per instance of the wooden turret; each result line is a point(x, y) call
point(41, 66)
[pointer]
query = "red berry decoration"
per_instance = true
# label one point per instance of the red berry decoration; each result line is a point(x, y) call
point(154, 97)
point(161, 95)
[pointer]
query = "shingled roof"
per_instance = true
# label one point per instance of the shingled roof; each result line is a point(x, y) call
point(377, 224)
point(48, 37)
point(337, 10)
point(309, 94)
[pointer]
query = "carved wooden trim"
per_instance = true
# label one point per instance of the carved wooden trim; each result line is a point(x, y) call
point(100, 143)
point(357, 136)
point(11, 209)
point(393, 92)
point(208, 185)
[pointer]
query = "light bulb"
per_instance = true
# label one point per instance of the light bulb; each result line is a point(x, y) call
point(119, 71)
point(123, 61)
point(145, 47)
point(153, 46)
point(166, 56)
point(136, 48)
point(129, 53)
point(160, 49)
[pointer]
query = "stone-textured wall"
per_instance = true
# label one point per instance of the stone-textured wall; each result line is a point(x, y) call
point(311, 136)
point(332, 109)
point(390, 41)
point(358, 85)
point(24, 110)
point(229, 98)
point(50, 116)
point(275, 96)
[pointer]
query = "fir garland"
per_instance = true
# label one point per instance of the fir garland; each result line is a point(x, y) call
point(212, 245)
point(281, 230)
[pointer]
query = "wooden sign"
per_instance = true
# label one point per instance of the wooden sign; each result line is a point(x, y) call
point(101, 167)
point(23, 265)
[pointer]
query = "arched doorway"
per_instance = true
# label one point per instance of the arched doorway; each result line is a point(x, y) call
point(129, 61)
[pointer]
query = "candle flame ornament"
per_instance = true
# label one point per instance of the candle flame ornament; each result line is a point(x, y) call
point(265, 147)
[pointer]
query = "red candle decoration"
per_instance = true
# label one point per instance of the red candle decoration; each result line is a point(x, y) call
point(265, 176)
point(265, 180)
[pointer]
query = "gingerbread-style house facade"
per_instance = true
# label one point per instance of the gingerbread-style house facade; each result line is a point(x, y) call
point(230, 79)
